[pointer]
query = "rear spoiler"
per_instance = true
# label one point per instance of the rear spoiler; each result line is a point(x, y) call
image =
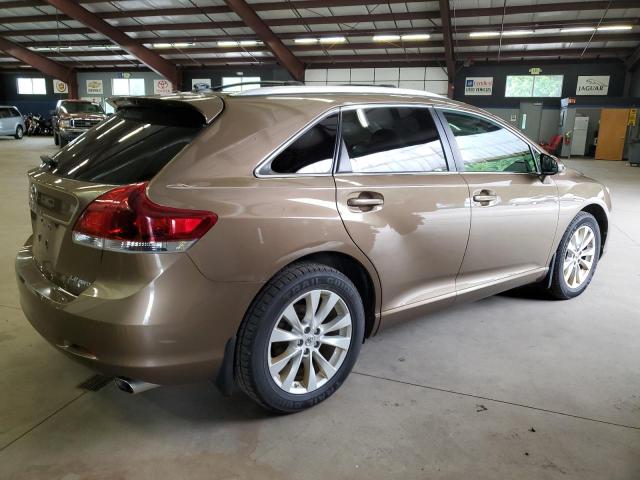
point(209, 106)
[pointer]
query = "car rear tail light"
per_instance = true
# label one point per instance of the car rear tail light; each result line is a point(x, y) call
point(126, 220)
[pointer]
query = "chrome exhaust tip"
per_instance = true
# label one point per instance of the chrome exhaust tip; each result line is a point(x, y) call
point(133, 386)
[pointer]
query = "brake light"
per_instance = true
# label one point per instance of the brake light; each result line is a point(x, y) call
point(126, 220)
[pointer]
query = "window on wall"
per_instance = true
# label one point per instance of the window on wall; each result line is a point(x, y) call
point(127, 86)
point(533, 86)
point(31, 86)
point(488, 147)
point(239, 84)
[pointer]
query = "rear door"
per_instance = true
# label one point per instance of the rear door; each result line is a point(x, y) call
point(402, 204)
point(514, 210)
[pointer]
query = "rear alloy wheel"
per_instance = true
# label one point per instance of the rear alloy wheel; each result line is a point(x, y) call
point(577, 257)
point(300, 338)
point(19, 133)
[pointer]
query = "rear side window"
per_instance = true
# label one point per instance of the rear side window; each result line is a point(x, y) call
point(131, 146)
point(311, 153)
point(15, 112)
point(488, 147)
point(391, 140)
point(5, 113)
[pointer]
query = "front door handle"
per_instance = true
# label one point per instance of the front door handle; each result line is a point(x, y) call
point(485, 197)
point(366, 202)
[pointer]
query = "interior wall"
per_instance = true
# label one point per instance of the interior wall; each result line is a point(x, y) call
point(431, 79)
point(215, 75)
point(570, 71)
point(36, 104)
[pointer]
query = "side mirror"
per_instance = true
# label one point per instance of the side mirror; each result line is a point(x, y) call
point(548, 165)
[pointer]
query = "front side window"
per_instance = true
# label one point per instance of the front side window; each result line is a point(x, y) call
point(391, 140)
point(485, 146)
point(311, 153)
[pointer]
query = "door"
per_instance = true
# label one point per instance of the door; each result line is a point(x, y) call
point(530, 119)
point(401, 204)
point(612, 133)
point(514, 212)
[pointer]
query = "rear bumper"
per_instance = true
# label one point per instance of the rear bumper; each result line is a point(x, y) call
point(170, 330)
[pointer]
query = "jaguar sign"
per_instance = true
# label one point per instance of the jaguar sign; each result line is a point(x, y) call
point(592, 85)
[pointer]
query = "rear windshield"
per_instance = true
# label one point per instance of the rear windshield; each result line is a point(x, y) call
point(79, 107)
point(130, 146)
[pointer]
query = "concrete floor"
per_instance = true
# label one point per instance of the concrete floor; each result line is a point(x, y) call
point(511, 387)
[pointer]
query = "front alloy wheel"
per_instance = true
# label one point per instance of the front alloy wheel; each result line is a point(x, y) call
point(579, 256)
point(300, 338)
point(576, 258)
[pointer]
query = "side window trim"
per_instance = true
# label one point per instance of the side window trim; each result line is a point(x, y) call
point(454, 146)
point(444, 141)
point(291, 140)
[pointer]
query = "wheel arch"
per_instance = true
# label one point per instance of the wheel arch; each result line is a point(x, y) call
point(603, 221)
point(358, 274)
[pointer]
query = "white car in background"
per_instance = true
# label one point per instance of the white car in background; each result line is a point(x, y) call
point(11, 122)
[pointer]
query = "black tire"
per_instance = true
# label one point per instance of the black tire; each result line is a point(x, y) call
point(251, 369)
point(56, 139)
point(19, 133)
point(62, 141)
point(559, 287)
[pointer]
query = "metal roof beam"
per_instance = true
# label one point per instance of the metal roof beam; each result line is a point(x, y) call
point(154, 61)
point(287, 59)
point(43, 64)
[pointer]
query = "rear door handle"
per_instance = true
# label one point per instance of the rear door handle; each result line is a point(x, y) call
point(366, 202)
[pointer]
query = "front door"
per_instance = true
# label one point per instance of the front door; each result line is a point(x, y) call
point(514, 211)
point(400, 203)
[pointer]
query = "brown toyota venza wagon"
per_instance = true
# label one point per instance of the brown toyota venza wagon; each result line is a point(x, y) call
point(256, 239)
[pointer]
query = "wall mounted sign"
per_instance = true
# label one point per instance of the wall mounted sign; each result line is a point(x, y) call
point(478, 86)
point(60, 87)
point(94, 87)
point(514, 117)
point(535, 71)
point(200, 81)
point(592, 85)
point(162, 87)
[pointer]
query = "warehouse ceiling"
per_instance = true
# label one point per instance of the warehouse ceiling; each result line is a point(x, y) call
point(204, 33)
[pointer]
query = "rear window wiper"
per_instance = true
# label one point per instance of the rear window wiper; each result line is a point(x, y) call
point(49, 160)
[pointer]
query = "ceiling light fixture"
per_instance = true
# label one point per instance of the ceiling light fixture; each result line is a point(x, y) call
point(306, 41)
point(577, 29)
point(515, 33)
point(227, 43)
point(484, 34)
point(333, 40)
point(416, 36)
point(386, 38)
point(611, 28)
